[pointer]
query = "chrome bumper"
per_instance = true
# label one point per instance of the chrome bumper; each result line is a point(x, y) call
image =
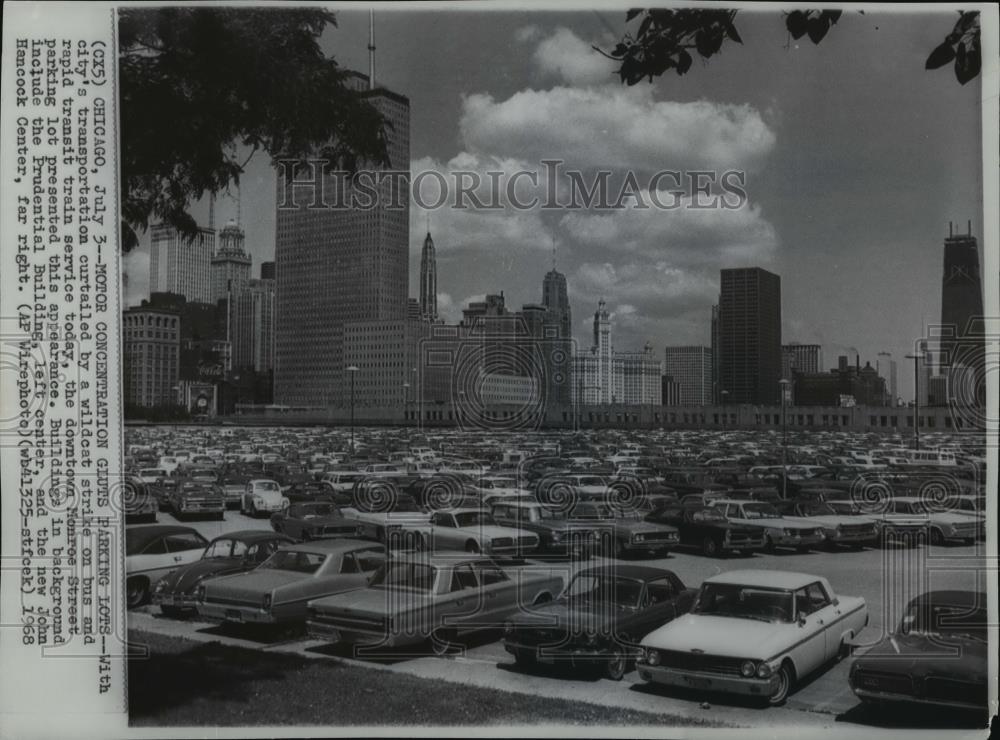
point(708, 681)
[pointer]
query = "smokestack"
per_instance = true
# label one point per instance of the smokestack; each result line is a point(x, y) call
point(857, 362)
point(970, 227)
point(371, 49)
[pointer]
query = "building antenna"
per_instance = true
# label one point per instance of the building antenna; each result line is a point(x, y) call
point(553, 254)
point(428, 224)
point(371, 49)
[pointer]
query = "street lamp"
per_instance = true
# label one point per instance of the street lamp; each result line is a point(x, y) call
point(784, 383)
point(406, 398)
point(916, 399)
point(723, 394)
point(352, 370)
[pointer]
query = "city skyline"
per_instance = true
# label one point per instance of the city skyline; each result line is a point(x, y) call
point(861, 239)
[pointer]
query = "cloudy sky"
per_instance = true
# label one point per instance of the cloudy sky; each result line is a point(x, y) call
point(856, 158)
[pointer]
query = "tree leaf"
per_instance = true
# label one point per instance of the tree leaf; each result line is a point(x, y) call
point(796, 24)
point(817, 28)
point(644, 26)
point(632, 13)
point(968, 62)
point(732, 33)
point(683, 62)
point(941, 55)
point(831, 16)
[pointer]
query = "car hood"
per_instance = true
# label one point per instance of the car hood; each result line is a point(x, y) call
point(252, 583)
point(269, 496)
point(725, 636)
point(833, 521)
point(376, 601)
point(638, 525)
point(784, 522)
point(187, 578)
point(495, 531)
point(919, 655)
point(326, 521)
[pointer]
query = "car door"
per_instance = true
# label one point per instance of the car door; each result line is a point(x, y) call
point(812, 618)
point(446, 536)
point(656, 608)
point(461, 607)
point(499, 595)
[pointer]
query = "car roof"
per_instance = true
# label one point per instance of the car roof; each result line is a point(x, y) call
point(964, 599)
point(767, 578)
point(640, 572)
point(252, 535)
point(441, 560)
point(331, 546)
point(138, 536)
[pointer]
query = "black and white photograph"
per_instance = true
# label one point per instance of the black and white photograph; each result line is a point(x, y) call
point(556, 370)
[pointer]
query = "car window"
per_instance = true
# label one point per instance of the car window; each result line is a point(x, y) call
point(239, 548)
point(184, 541)
point(219, 549)
point(816, 596)
point(463, 577)
point(659, 591)
point(348, 564)
point(444, 520)
point(369, 560)
point(156, 547)
point(490, 575)
point(293, 560)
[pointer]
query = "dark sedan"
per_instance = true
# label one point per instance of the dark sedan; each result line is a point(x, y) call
point(937, 655)
point(706, 528)
point(234, 552)
point(313, 521)
point(600, 618)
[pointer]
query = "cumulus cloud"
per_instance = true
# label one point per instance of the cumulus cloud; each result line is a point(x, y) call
point(615, 126)
point(135, 276)
point(527, 34)
point(570, 59)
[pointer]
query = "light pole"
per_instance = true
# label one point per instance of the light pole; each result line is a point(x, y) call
point(406, 398)
point(723, 395)
point(352, 370)
point(916, 399)
point(784, 383)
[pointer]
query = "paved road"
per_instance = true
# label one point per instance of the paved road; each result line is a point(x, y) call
point(886, 578)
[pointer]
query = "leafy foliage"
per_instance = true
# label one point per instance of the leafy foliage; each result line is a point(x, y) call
point(962, 46)
point(664, 40)
point(201, 84)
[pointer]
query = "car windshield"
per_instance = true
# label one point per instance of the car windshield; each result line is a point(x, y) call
point(744, 602)
point(760, 511)
point(544, 513)
point(945, 620)
point(298, 561)
point(266, 485)
point(315, 510)
point(622, 592)
point(707, 515)
point(592, 511)
point(474, 519)
point(816, 509)
point(414, 576)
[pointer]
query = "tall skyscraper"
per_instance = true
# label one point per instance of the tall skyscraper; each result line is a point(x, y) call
point(251, 324)
point(230, 261)
point(886, 367)
point(555, 298)
point(962, 345)
point(690, 368)
point(749, 331)
point(714, 343)
point(603, 354)
point(339, 265)
point(179, 266)
point(428, 281)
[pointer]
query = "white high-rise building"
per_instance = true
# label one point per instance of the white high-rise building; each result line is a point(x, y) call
point(179, 266)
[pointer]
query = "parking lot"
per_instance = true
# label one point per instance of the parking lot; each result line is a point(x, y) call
point(886, 577)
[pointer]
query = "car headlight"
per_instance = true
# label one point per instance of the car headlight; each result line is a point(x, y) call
point(652, 657)
point(747, 669)
point(764, 670)
point(267, 602)
point(788, 532)
point(639, 538)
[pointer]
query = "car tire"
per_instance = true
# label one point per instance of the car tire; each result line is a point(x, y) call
point(221, 516)
point(524, 659)
point(472, 547)
point(136, 592)
point(786, 680)
point(802, 549)
point(170, 611)
point(769, 545)
point(619, 549)
point(443, 641)
point(710, 547)
point(616, 666)
point(253, 510)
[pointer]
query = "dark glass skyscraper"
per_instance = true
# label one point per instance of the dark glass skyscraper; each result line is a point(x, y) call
point(749, 335)
point(338, 265)
point(962, 342)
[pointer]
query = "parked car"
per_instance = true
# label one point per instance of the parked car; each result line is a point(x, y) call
point(475, 531)
point(313, 490)
point(942, 526)
point(779, 531)
point(194, 498)
point(557, 534)
point(384, 518)
point(233, 552)
point(234, 484)
point(420, 596)
point(278, 590)
point(937, 655)
point(626, 534)
point(706, 528)
point(313, 521)
point(838, 529)
point(599, 619)
point(262, 496)
point(153, 550)
point(893, 526)
point(754, 633)
point(138, 502)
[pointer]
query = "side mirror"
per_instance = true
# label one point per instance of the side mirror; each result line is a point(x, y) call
point(836, 601)
point(801, 619)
